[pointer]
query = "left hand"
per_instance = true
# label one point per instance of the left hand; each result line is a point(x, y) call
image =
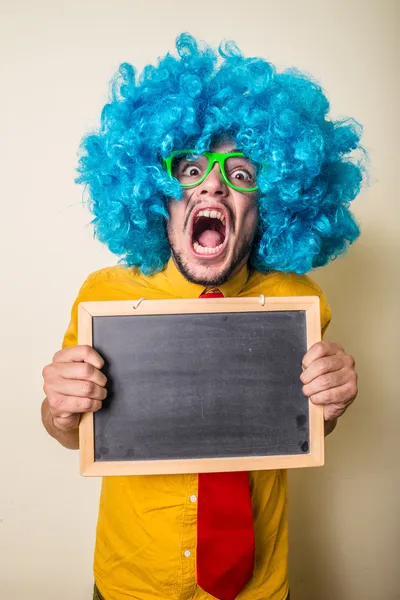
point(329, 378)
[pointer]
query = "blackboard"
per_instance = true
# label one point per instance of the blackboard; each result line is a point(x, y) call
point(206, 389)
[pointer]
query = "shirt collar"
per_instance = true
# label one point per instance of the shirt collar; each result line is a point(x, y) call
point(185, 289)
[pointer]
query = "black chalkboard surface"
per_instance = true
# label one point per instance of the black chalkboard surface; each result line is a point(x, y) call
point(195, 386)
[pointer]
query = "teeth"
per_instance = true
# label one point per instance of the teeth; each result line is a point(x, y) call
point(211, 214)
point(203, 250)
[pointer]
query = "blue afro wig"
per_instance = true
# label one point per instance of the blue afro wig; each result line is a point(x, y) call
point(307, 169)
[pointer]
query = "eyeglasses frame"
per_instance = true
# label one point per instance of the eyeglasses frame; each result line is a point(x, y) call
point(213, 157)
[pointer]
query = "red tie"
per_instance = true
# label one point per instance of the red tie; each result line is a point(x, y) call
point(225, 532)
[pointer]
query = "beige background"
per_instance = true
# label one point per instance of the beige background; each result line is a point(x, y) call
point(56, 59)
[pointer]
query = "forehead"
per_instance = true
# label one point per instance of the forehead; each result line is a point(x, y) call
point(223, 145)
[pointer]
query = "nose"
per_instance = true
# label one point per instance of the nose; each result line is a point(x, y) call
point(214, 185)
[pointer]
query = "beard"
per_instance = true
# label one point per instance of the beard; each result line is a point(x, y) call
point(239, 256)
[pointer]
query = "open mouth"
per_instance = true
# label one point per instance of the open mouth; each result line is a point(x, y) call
point(209, 231)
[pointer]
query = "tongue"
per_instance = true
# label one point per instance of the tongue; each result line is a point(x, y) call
point(210, 238)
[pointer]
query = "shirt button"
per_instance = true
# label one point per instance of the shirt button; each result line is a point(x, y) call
point(187, 553)
point(193, 498)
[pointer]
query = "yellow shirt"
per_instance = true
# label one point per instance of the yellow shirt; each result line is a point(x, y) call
point(147, 524)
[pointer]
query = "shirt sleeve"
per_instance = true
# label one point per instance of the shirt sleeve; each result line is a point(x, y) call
point(85, 294)
point(290, 284)
point(326, 314)
point(305, 286)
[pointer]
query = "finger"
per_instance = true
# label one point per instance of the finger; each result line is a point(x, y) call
point(342, 395)
point(319, 350)
point(320, 366)
point(333, 411)
point(80, 370)
point(79, 354)
point(74, 387)
point(67, 423)
point(68, 406)
point(326, 382)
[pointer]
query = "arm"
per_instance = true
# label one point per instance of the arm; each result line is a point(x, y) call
point(68, 438)
point(73, 384)
point(329, 426)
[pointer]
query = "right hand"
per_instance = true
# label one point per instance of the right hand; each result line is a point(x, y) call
point(74, 384)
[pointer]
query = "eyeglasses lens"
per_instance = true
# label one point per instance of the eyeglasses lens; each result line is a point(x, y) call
point(240, 172)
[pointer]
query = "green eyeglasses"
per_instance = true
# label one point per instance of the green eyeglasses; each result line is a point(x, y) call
point(191, 169)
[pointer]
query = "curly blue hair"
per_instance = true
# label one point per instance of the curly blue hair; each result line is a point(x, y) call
point(307, 169)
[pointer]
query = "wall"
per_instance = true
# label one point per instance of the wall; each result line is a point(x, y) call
point(57, 58)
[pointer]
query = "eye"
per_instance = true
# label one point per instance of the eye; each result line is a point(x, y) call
point(191, 170)
point(242, 175)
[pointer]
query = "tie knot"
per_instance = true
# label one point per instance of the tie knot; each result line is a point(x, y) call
point(212, 293)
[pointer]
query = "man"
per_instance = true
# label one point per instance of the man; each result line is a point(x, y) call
point(204, 177)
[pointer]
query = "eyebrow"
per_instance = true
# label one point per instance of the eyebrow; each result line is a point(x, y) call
point(229, 151)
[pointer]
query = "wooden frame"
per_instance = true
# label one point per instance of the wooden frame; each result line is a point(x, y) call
point(315, 456)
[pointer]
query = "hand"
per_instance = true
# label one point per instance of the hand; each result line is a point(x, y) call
point(329, 378)
point(74, 384)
